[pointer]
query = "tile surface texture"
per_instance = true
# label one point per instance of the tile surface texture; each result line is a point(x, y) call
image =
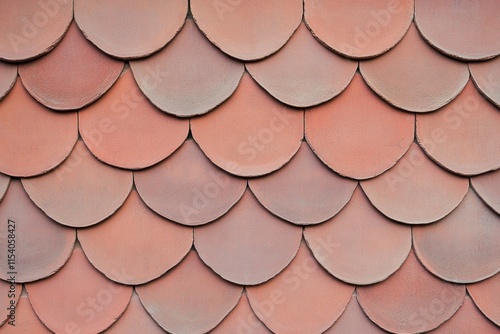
point(250, 167)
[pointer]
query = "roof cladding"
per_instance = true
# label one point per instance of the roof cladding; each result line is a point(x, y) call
point(264, 166)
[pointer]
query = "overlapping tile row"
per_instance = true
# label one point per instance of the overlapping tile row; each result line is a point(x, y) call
point(243, 167)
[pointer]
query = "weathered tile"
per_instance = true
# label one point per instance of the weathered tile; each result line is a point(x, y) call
point(4, 184)
point(9, 299)
point(26, 320)
point(485, 76)
point(8, 75)
point(487, 186)
point(485, 295)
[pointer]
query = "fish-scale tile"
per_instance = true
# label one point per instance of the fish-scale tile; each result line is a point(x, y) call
point(188, 77)
point(354, 320)
point(187, 188)
point(415, 77)
point(464, 246)
point(41, 245)
point(248, 245)
point(32, 27)
point(130, 29)
point(241, 320)
point(82, 191)
point(78, 299)
point(485, 295)
point(8, 75)
point(33, 139)
point(359, 29)
point(26, 320)
point(189, 299)
point(487, 186)
point(468, 319)
point(462, 136)
point(4, 184)
point(486, 76)
point(125, 130)
point(304, 191)
point(9, 299)
point(248, 30)
point(255, 133)
point(461, 29)
point(144, 245)
point(71, 76)
point(359, 245)
point(415, 190)
point(135, 320)
point(412, 300)
point(357, 134)
point(303, 298)
point(303, 73)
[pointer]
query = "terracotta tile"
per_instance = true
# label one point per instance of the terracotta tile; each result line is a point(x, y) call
point(464, 30)
point(8, 292)
point(78, 298)
point(255, 134)
point(412, 300)
point(187, 188)
point(353, 320)
point(485, 76)
point(32, 28)
point(82, 191)
point(188, 77)
point(468, 319)
point(8, 75)
point(26, 320)
point(415, 77)
point(4, 184)
point(485, 295)
point(135, 320)
point(42, 245)
point(248, 30)
point(304, 191)
point(121, 127)
point(241, 320)
point(359, 29)
point(247, 245)
point(47, 137)
point(415, 190)
point(463, 247)
point(487, 186)
point(302, 299)
point(303, 73)
point(73, 75)
point(199, 297)
point(357, 134)
point(359, 245)
point(463, 136)
point(130, 29)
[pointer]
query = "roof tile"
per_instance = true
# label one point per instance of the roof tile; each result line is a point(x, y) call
point(199, 297)
point(463, 31)
point(6, 299)
point(256, 134)
point(486, 295)
point(487, 186)
point(463, 136)
point(357, 134)
point(144, 245)
point(81, 299)
point(32, 27)
point(129, 29)
point(4, 184)
point(125, 130)
point(415, 77)
point(43, 245)
point(415, 190)
point(82, 191)
point(359, 29)
point(8, 76)
point(248, 245)
point(189, 76)
point(248, 30)
point(412, 300)
point(303, 298)
point(26, 320)
point(47, 137)
point(359, 245)
point(463, 247)
point(485, 76)
point(73, 75)
point(303, 73)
